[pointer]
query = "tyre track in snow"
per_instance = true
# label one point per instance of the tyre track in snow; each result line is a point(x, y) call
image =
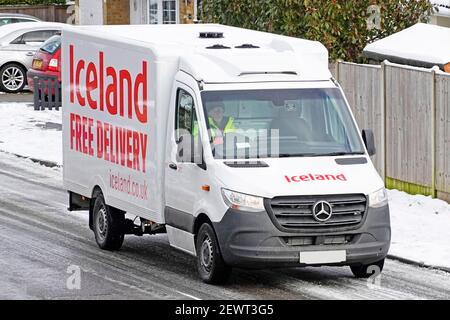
point(41, 239)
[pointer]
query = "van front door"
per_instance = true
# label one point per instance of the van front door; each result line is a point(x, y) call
point(184, 176)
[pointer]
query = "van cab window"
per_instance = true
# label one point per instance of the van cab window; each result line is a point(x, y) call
point(284, 123)
point(185, 118)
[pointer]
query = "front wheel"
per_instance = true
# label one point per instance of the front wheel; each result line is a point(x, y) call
point(12, 78)
point(108, 225)
point(211, 267)
point(367, 270)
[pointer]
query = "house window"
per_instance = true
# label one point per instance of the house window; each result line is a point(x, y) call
point(169, 12)
point(162, 11)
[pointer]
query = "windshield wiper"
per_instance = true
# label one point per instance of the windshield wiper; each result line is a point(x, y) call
point(338, 153)
point(294, 155)
point(298, 155)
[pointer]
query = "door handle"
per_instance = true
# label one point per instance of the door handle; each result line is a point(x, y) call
point(30, 54)
point(173, 166)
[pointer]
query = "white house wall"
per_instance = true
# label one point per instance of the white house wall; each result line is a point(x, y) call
point(90, 12)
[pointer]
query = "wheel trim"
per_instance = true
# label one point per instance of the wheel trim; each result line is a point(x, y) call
point(102, 223)
point(206, 254)
point(12, 78)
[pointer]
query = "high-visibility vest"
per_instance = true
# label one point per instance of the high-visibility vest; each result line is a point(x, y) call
point(229, 127)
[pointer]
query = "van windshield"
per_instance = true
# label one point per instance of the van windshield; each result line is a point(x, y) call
point(246, 124)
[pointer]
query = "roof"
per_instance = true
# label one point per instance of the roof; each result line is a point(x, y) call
point(422, 45)
point(284, 58)
point(17, 15)
point(443, 7)
point(11, 28)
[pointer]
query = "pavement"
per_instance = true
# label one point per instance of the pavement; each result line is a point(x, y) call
point(44, 247)
point(25, 96)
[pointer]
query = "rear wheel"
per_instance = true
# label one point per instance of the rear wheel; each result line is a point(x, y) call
point(108, 225)
point(211, 267)
point(367, 270)
point(12, 78)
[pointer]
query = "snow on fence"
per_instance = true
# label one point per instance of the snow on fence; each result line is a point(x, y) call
point(409, 111)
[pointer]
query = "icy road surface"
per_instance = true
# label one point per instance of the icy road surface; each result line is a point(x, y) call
point(41, 240)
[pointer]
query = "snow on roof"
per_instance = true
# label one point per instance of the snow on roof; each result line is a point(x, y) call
point(443, 6)
point(421, 45)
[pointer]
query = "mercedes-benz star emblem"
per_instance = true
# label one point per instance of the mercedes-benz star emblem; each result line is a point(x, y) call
point(322, 211)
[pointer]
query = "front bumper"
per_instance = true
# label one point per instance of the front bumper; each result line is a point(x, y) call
point(251, 240)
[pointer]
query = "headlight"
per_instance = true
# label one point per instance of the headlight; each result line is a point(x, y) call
point(378, 198)
point(242, 201)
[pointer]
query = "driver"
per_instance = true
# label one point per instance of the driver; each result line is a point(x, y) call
point(219, 124)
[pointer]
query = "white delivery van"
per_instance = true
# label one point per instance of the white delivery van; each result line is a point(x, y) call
point(238, 144)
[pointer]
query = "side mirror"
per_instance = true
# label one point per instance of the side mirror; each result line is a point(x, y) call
point(369, 141)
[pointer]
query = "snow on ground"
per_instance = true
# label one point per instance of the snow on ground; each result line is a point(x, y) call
point(420, 228)
point(420, 224)
point(30, 133)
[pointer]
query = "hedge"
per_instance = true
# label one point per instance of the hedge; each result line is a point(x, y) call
point(341, 25)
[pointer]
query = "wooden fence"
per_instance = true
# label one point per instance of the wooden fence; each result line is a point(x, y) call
point(51, 13)
point(409, 110)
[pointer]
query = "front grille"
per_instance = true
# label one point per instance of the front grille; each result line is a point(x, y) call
point(295, 212)
point(318, 240)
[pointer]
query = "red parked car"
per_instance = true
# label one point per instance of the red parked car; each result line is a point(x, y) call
point(47, 61)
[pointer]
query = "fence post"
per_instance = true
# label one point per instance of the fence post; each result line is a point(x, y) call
point(338, 75)
point(36, 93)
point(383, 117)
point(53, 13)
point(57, 94)
point(433, 131)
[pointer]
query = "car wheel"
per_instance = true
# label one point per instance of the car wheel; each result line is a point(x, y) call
point(108, 225)
point(211, 267)
point(12, 78)
point(367, 270)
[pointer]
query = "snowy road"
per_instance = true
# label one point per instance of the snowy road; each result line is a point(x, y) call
point(40, 240)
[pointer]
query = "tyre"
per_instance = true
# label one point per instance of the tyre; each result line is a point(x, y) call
point(108, 225)
point(367, 270)
point(12, 78)
point(211, 267)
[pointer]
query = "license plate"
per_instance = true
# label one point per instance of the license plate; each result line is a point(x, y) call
point(37, 64)
point(319, 257)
